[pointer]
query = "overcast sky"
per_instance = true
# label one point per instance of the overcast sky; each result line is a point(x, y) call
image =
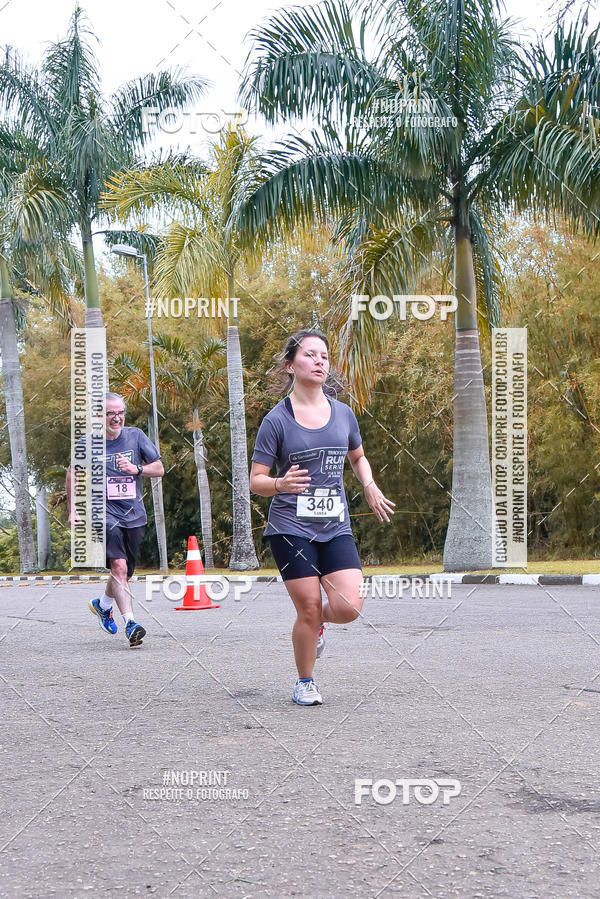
point(207, 37)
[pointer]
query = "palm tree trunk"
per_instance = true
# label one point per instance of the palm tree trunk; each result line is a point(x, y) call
point(468, 543)
point(243, 554)
point(203, 492)
point(93, 313)
point(159, 508)
point(15, 417)
point(44, 543)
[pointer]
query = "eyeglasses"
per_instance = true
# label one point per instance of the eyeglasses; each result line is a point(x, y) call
point(120, 413)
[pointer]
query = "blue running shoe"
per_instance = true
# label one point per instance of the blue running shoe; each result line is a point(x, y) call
point(107, 622)
point(135, 633)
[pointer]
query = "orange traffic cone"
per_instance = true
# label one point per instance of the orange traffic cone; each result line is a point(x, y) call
point(196, 596)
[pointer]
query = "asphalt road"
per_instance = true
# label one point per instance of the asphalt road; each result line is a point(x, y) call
point(497, 687)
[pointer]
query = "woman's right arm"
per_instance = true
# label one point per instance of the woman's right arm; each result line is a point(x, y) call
point(261, 483)
point(293, 481)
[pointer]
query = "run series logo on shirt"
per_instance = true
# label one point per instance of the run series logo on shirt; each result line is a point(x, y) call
point(281, 441)
point(331, 459)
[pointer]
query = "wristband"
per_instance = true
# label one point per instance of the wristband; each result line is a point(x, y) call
point(372, 481)
point(276, 490)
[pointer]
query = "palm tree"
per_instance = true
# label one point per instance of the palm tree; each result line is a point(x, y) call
point(401, 191)
point(189, 379)
point(198, 256)
point(35, 257)
point(85, 136)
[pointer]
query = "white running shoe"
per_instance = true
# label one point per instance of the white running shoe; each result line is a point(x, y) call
point(307, 693)
point(321, 641)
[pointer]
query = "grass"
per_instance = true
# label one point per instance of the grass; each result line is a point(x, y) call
point(555, 566)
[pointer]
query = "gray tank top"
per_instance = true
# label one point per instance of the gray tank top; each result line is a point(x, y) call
point(322, 513)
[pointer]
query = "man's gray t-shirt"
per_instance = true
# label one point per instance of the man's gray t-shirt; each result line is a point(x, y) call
point(135, 446)
point(282, 441)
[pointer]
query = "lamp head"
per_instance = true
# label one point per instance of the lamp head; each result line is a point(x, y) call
point(124, 249)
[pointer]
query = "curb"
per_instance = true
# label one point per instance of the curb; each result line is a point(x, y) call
point(39, 580)
point(549, 580)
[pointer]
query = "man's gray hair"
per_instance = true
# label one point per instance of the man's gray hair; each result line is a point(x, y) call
point(116, 396)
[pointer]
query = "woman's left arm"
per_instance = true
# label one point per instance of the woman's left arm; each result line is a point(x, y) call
point(380, 505)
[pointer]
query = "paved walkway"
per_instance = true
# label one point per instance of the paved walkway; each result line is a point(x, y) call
point(497, 687)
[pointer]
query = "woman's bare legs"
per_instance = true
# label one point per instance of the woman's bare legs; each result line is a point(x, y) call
point(305, 593)
point(344, 599)
point(343, 604)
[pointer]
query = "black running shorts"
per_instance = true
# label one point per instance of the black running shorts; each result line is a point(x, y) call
point(123, 543)
point(298, 557)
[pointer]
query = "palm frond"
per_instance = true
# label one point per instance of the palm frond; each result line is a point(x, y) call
point(18, 150)
point(466, 48)
point(309, 60)
point(173, 185)
point(191, 262)
point(36, 204)
point(383, 263)
point(49, 270)
point(174, 346)
point(314, 188)
point(23, 98)
point(70, 67)
point(137, 103)
point(544, 154)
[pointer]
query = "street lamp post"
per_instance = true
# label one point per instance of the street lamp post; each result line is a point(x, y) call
point(122, 249)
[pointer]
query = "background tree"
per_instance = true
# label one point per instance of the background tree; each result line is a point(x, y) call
point(553, 289)
point(189, 379)
point(36, 258)
point(198, 257)
point(399, 188)
point(85, 135)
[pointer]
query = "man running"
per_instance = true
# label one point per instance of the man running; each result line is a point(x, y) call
point(130, 455)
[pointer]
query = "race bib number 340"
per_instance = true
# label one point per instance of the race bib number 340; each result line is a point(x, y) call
point(320, 504)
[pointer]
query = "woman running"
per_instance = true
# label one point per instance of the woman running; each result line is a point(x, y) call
point(307, 436)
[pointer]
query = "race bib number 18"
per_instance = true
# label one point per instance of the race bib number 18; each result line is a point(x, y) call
point(320, 504)
point(120, 486)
